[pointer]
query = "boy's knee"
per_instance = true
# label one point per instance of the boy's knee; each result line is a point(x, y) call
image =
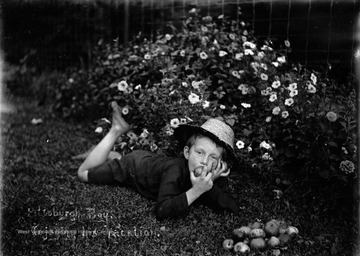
point(82, 175)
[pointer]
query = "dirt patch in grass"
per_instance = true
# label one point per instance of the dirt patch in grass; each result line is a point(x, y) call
point(47, 211)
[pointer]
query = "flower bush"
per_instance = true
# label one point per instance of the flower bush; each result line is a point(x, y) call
point(288, 120)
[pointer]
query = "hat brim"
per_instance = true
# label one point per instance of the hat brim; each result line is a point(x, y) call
point(183, 132)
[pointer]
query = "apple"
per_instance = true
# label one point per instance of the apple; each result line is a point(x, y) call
point(228, 244)
point(273, 241)
point(241, 247)
point(245, 229)
point(239, 234)
point(258, 243)
point(291, 231)
point(272, 228)
point(282, 227)
point(284, 238)
point(257, 232)
point(255, 225)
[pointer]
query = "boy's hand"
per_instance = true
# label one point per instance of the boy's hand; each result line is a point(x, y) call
point(202, 183)
point(221, 170)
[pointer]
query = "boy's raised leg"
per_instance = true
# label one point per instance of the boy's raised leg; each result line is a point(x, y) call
point(101, 152)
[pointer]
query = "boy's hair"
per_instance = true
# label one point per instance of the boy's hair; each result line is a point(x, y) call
point(191, 141)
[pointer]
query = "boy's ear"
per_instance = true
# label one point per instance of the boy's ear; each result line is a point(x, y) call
point(186, 152)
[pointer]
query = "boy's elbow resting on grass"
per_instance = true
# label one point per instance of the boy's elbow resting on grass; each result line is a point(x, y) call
point(82, 174)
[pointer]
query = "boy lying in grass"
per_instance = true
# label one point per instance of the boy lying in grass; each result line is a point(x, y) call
point(175, 183)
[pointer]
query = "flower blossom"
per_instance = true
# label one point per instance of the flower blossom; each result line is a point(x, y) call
point(285, 114)
point(205, 104)
point(175, 122)
point(99, 130)
point(268, 119)
point(347, 166)
point(276, 110)
point(265, 145)
point(293, 93)
point(196, 84)
point(287, 43)
point(125, 110)
point(266, 156)
point(264, 76)
point(222, 53)
point(147, 56)
point(273, 97)
point(246, 105)
point(331, 116)
point(238, 56)
point(193, 98)
point(281, 59)
point(236, 74)
point(240, 144)
point(289, 101)
point(275, 84)
point(313, 78)
point(292, 86)
point(311, 88)
point(248, 52)
point(203, 55)
point(168, 37)
point(182, 53)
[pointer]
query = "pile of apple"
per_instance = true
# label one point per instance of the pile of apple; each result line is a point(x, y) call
point(257, 236)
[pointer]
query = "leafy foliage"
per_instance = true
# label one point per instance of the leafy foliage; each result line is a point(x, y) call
point(288, 120)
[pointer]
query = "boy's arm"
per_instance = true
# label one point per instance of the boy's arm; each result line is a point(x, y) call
point(218, 198)
point(172, 200)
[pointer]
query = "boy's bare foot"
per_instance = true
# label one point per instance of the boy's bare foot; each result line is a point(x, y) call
point(118, 124)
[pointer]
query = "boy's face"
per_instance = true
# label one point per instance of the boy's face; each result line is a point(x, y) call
point(203, 153)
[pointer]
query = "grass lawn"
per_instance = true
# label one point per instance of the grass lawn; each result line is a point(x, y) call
point(47, 211)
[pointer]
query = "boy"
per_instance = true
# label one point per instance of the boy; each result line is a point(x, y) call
point(173, 182)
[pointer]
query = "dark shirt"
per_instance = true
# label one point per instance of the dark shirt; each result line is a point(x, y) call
point(163, 179)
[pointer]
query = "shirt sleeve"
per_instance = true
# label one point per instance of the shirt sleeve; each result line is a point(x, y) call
point(219, 198)
point(172, 200)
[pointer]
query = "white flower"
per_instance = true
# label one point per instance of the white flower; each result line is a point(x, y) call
point(281, 59)
point(174, 123)
point(222, 106)
point(195, 85)
point(311, 88)
point(193, 98)
point(144, 134)
point(265, 145)
point(264, 76)
point(238, 56)
point(287, 43)
point(292, 86)
point(125, 110)
point(222, 53)
point(169, 131)
point(147, 56)
point(99, 130)
point(168, 37)
point(71, 80)
point(261, 55)
point(182, 53)
point(246, 105)
point(275, 84)
point(138, 87)
point(122, 86)
point(248, 52)
point(203, 55)
point(184, 84)
point(285, 114)
point(240, 144)
point(313, 78)
point(273, 97)
point(268, 119)
point(266, 156)
point(205, 104)
point(289, 101)
point(293, 93)
point(276, 110)
point(275, 64)
point(331, 116)
point(236, 74)
point(193, 10)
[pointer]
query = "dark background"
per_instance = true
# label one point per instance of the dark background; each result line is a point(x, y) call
point(56, 34)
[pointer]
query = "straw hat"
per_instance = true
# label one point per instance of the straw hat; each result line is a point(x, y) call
point(217, 130)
